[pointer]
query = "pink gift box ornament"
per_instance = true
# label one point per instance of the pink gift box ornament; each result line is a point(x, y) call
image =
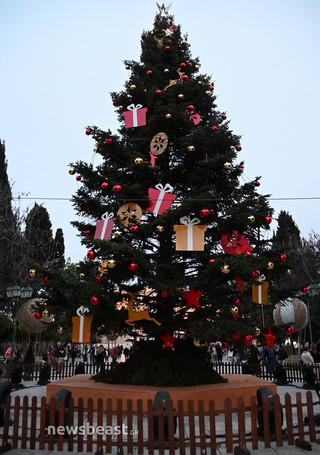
point(161, 198)
point(135, 116)
point(104, 227)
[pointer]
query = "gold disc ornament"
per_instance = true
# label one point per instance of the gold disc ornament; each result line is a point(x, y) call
point(129, 213)
point(159, 143)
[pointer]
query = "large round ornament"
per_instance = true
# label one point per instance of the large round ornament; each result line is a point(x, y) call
point(225, 269)
point(234, 242)
point(27, 320)
point(159, 143)
point(32, 273)
point(291, 312)
point(129, 213)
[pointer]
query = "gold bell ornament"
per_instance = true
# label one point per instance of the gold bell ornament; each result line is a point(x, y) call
point(191, 148)
point(138, 161)
point(132, 87)
point(168, 116)
point(270, 265)
point(225, 268)
point(227, 165)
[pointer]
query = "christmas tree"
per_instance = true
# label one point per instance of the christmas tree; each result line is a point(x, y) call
point(175, 234)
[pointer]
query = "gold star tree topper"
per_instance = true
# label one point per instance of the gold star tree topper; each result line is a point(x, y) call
point(164, 9)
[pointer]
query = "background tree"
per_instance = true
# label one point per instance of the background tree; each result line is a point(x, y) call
point(194, 293)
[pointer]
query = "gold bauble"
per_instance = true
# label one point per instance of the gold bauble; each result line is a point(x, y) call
point(127, 67)
point(214, 104)
point(180, 96)
point(270, 265)
point(132, 87)
point(234, 310)
point(45, 314)
point(225, 268)
point(166, 70)
point(138, 161)
point(288, 272)
point(251, 218)
point(200, 83)
point(248, 316)
point(191, 148)
point(205, 78)
point(60, 329)
point(197, 66)
point(197, 343)
point(256, 199)
point(257, 332)
point(184, 41)
point(72, 171)
point(120, 108)
point(208, 92)
point(95, 149)
point(111, 264)
point(79, 208)
point(232, 148)
point(118, 233)
point(168, 116)
point(160, 228)
point(227, 165)
point(32, 273)
point(81, 275)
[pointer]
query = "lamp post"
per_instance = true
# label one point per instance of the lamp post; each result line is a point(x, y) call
point(15, 292)
point(313, 291)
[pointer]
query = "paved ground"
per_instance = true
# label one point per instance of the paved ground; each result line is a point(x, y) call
point(32, 389)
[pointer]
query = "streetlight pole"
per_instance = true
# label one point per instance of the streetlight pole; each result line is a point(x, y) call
point(15, 292)
point(313, 291)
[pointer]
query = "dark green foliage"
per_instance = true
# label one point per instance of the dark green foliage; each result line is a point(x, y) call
point(59, 249)
point(38, 233)
point(149, 364)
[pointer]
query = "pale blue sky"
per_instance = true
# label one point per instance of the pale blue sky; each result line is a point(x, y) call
point(61, 59)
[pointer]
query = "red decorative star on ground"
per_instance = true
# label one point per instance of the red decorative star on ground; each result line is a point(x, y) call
point(270, 339)
point(192, 297)
point(168, 340)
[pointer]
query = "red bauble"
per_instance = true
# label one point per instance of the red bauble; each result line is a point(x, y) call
point(212, 87)
point(239, 148)
point(78, 178)
point(283, 258)
point(240, 169)
point(164, 294)
point(182, 65)
point(108, 141)
point(289, 330)
point(204, 213)
point(88, 131)
point(158, 92)
point(37, 315)
point(305, 290)
point(167, 48)
point(235, 336)
point(132, 267)
point(149, 72)
point(88, 233)
point(97, 279)
point(247, 339)
point(236, 302)
point(214, 128)
point(117, 188)
point(104, 185)
point(91, 254)
point(134, 228)
point(233, 316)
point(184, 77)
point(257, 183)
point(190, 107)
point(254, 274)
point(224, 116)
point(143, 35)
point(211, 261)
point(94, 300)
point(44, 279)
point(268, 219)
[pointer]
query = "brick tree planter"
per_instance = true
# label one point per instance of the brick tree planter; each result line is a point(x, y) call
point(81, 386)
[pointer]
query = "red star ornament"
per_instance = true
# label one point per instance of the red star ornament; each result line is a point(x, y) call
point(168, 340)
point(192, 297)
point(270, 338)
